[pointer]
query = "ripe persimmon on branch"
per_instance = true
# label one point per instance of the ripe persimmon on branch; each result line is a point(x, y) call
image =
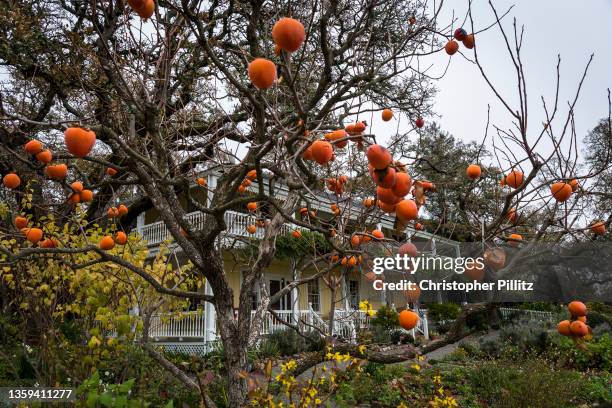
point(125, 108)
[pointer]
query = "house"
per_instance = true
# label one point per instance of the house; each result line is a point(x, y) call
point(309, 304)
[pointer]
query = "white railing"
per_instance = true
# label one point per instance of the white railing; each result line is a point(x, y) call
point(300, 318)
point(508, 313)
point(359, 317)
point(188, 331)
point(423, 324)
point(317, 321)
point(181, 324)
point(190, 348)
point(236, 222)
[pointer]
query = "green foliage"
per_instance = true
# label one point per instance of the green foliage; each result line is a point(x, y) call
point(542, 306)
point(599, 314)
point(152, 384)
point(476, 382)
point(384, 325)
point(528, 339)
point(530, 383)
point(386, 318)
point(443, 311)
point(456, 198)
point(373, 386)
point(596, 354)
point(400, 336)
point(310, 244)
point(482, 320)
point(288, 342)
point(267, 349)
point(96, 393)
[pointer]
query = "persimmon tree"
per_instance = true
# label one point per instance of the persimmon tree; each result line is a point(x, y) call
point(133, 102)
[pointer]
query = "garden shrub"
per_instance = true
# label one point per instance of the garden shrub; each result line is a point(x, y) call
point(288, 342)
point(400, 337)
point(597, 319)
point(541, 306)
point(527, 335)
point(386, 318)
point(480, 321)
point(595, 354)
point(383, 324)
point(373, 386)
point(267, 349)
point(153, 384)
point(443, 311)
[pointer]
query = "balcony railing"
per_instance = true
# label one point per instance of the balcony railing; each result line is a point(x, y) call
point(236, 222)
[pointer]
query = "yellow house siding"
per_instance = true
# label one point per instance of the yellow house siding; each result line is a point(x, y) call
point(281, 269)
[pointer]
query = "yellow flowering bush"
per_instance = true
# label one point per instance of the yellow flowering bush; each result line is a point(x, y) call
point(415, 386)
point(66, 294)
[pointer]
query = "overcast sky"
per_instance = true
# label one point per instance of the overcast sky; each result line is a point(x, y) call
point(574, 29)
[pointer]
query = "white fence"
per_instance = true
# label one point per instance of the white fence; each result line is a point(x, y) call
point(237, 224)
point(508, 313)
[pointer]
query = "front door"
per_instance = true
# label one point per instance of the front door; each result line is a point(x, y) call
point(284, 303)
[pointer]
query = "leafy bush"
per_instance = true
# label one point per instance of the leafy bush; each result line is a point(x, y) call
point(443, 311)
point(267, 349)
point(153, 384)
point(288, 247)
point(599, 314)
point(374, 387)
point(384, 324)
point(541, 306)
point(527, 339)
point(386, 318)
point(595, 354)
point(597, 319)
point(527, 336)
point(483, 320)
point(96, 393)
point(400, 337)
point(288, 342)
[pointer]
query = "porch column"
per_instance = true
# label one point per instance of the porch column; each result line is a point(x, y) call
point(295, 304)
point(295, 295)
point(140, 222)
point(210, 317)
point(345, 293)
point(212, 185)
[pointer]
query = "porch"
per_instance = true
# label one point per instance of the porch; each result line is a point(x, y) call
point(192, 333)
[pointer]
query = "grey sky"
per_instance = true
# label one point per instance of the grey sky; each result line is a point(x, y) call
point(574, 29)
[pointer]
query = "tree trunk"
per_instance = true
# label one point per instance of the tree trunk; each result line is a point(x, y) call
point(235, 346)
point(332, 310)
point(236, 364)
point(234, 336)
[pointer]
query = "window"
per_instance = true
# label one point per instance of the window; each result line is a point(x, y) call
point(353, 292)
point(314, 296)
